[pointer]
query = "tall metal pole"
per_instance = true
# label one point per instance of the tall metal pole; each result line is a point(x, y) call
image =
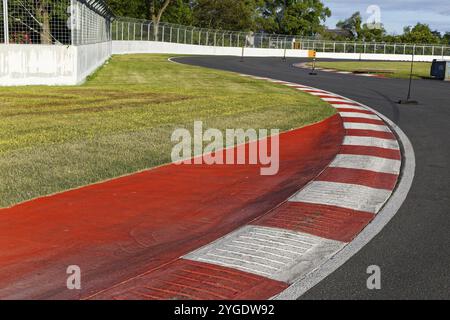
point(408, 98)
point(5, 21)
point(411, 73)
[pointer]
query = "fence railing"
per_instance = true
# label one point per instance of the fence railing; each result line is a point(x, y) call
point(80, 22)
point(142, 30)
point(65, 22)
point(125, 29)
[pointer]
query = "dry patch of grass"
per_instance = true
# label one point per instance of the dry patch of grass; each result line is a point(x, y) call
point(56, 138)
point(389, 69)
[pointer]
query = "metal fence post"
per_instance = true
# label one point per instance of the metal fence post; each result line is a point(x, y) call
point(5, 21)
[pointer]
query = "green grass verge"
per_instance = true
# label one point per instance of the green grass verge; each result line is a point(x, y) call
point(389, 69)
point(120, 121)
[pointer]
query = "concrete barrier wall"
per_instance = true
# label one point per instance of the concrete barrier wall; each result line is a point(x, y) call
point(70, 65)
point(90, 57)
point(50, 64)
point(36, 64)
point(378, 56)
point(129, 47)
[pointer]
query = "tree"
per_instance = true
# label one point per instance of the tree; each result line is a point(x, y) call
point(38, 21)
point(446, 38)
point(179, 12)
point(303, 17)
point(130, 8)
point(225, 14)
point(352, 25)
point(371, 33)
point(156, 10)
point(420, 33)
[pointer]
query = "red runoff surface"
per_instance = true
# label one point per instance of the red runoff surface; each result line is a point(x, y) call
point(133, 225)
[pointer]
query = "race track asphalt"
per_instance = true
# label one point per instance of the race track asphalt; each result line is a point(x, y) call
point(413, 250)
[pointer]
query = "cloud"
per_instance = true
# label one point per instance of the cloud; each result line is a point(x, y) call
point(395, 14)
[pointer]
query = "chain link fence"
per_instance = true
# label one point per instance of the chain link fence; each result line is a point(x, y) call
point(125, 29)
point(142, 30)
point(79, 22)
point(48, 22)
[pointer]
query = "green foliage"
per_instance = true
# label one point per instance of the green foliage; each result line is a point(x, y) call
point(225, 14)
point(352, 25)
point(296, 17)
point(303, 17)
point(131, 8)
point(179, 12)
point(420, 33)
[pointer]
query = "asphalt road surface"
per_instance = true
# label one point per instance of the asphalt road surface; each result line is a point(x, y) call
point(413, 250)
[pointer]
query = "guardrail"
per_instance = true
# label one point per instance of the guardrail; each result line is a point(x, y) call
point(124, 29)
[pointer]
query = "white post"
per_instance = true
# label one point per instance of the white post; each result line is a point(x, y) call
point(5, 21)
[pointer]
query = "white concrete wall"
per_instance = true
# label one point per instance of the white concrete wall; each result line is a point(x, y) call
point(70, 65)
point(378, 56)
point(50, 64)
point(36, 64)
point(90, 57)
point(129, 47)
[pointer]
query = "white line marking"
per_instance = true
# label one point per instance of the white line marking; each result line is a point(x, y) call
point(302, 285)
point(358, 115)
point(262, 259)
point(366, 126)
point(337, 99)
point(349, 106)
point(350, 196)
point(371, 142)
point(369, 163)
point(322, 94)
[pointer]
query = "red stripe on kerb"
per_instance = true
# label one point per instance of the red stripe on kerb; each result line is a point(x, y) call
point(371, 151)
point(315, 91)
point(371, 133)
point(320, 220)
point(191, 280)
point(298, 86)
point(363, 120)
point(327, 96)
point(360, 177)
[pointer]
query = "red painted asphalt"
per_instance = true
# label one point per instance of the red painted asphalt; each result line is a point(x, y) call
point(191, 280)
point(320, 220)
point(119, 229)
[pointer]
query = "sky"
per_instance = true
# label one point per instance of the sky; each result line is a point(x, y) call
point(394, 14)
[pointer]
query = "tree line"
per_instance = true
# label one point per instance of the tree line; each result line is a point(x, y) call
point(295, 17)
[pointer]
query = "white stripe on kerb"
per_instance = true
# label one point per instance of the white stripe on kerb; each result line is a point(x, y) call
point(369, 163)
point(309, 88)
point(371, 142)
point(337, 99)
point(366, 126)
point(300, 86)
point(349, 106)
point(322, 93)
point(350, 196)
point(358, 115)
point(278, 254)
